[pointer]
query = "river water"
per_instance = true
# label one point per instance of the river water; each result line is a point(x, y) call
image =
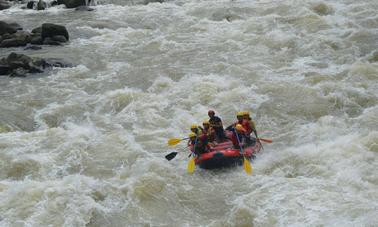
point(85, 146)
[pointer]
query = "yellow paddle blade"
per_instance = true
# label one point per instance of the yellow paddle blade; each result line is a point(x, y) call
point(247, 166)
point(174, 141)
point(191, 166)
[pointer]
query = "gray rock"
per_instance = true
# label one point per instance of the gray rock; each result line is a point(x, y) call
point(13, 43)
point(50, 30)
point(19, 65)
point(36, 40)
point(83, 8)
point(59, 38)
point(50, 41)
point(146, 2)
point(30, 5)
point(73, 3)
point(37, 30)
point(9, 28)
point(33, 47)
point(15, 60)
point(19, 72)
point(20, 38)
point(41, 5)
point(4, 5)
point(4, 69)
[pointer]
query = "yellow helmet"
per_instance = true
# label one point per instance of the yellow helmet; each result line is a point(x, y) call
point(239, 127)
point(240, 114)
point(193, 126)
point(205, 122)
point(246, 113)
point(192, 134)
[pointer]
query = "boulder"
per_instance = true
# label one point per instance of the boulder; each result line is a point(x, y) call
point(50, 41)
point(30, 5)
point(73, 3)
point(15, 60)
point(41, 5)
point(37, 30)
point(19, 65)
point(83, 8)
point(51, 30)
point(20, 38)
point(37, 40)
point(146, 2)
point(9, 28)
point(4, 69)
point(19, 72)
point(32, 47)
point(4, 5)
point(59, 38)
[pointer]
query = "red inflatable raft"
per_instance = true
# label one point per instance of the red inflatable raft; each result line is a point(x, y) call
point(225, 155)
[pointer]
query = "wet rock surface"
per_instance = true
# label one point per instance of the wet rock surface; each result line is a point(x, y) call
point(19, 65)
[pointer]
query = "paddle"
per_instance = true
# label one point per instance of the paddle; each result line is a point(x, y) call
point(247, 166)
point(174, 141)
point(265, 140)
point(192, 163)
point(171, 156)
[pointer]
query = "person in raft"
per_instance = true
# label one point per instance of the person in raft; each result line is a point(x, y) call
point(250, 127)
point(196, 129)
point(238, 132)
point(198, 143)
point(208, 131)
point(217, 125)
point(239, 117)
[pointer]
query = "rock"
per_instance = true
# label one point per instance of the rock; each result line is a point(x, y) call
point(56, 62)
point(30, 5)
point(4, 70)
point(73, 3)
point(15, 26)
point(37, 30)
point(83, 8)
point(15, 60)
point(50, 41)
point(12, 43)
point(146, 2)
point(20, 38)
point(33, 47)
point(36, 40)
point(59, 38)
point(50, 30)
point(9, 28)
point(19, 72)
point(41, 5)
point(4, 5)
point(19, 65)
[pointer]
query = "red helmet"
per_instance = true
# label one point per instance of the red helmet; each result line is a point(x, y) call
point(211, 112)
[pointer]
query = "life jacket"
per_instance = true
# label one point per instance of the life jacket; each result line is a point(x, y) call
point(235, 141)
point(247, 126)
point(202, 145)
point(210, 133)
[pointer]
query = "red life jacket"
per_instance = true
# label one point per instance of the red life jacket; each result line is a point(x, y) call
point(247, 126)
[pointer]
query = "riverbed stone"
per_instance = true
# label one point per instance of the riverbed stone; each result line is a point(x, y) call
point(37, 30)
point(73, 3)
point(59, 38)
point(51, 30)
point(31, 4)
point(19, 65)
point(4, 5)
point(41, 5)
point(9, 28)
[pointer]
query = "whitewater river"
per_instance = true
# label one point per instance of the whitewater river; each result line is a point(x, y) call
point(85, 146)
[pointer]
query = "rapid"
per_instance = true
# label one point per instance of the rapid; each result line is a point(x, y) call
point(85, 146)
